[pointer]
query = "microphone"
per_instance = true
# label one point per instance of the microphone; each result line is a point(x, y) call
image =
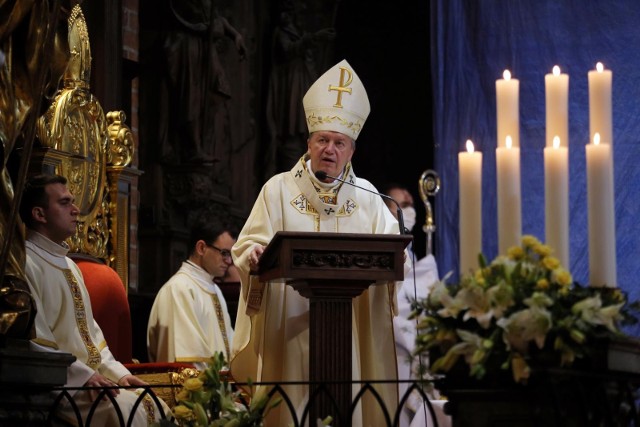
point(322, 175)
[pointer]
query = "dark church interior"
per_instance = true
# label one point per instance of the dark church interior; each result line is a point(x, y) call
point(163, 114)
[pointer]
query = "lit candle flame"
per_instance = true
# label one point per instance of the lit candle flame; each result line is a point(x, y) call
point(506, 75)
point(556, 141)
point(596, 138)
point(599, 67)
point(508, 142)
point(556, 70)
point(470, 148)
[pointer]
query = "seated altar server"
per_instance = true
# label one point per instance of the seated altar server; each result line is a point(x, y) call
point(271, 341)
point(64, 321)
point(189, 320)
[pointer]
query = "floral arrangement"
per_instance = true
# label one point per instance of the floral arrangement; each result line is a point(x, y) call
point(209, 400)
point(514, 312)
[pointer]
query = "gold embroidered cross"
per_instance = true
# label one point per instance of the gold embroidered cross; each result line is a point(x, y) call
point(342, 86)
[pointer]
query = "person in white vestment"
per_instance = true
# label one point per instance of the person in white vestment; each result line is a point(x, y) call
point(271, 341)
point(64, 320)
point(416, 286)
point(189, 320)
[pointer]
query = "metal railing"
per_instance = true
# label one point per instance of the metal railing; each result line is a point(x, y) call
point(556, 397)
point(391, 416)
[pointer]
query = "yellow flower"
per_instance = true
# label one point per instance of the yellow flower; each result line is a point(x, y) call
point(481, 275)
point(550, 263)
point(542, 284)
point(193, 384)
point(617, 295)
point(542, 250)
point(515, 252)
point(326, 421)
point(562, 277)
point(183, 395)
point(529, 241)
point(520, 368)
point(181, 412)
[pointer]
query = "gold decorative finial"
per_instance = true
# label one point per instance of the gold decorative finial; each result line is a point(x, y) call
point(429, 185)
point(78, 72)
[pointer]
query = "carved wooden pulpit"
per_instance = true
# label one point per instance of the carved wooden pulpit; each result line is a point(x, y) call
point(330, 269)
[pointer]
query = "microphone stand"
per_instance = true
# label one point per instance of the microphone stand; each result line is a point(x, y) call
point(322, 175)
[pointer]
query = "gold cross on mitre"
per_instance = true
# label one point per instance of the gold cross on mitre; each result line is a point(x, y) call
point(343, 86)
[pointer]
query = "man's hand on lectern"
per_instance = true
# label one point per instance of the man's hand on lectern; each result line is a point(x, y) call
point(254, 257)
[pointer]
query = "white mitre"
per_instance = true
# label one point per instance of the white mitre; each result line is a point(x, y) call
point(337, 102)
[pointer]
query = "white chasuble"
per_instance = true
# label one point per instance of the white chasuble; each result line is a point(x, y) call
point(64, 322)
point(189, 320)
point(271, 341)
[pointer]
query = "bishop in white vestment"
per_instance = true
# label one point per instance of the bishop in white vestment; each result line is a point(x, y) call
point(271, 341)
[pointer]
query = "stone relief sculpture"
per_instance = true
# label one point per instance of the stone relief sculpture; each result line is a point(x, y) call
point(293, 70)
point(186, 97)
point(198, 86)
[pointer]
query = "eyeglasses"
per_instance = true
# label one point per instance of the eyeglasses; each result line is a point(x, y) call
point(225, 253)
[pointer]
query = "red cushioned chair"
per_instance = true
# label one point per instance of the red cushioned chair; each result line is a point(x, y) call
point(110, 306)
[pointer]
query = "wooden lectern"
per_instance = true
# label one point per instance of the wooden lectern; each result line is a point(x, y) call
point(330, 269)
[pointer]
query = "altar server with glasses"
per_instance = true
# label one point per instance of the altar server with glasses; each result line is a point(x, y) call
point(189, 320)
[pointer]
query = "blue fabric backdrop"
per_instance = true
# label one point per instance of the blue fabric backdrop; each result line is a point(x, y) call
point(472, 43)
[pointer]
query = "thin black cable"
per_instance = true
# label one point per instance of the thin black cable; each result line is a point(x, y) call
point(421, 363)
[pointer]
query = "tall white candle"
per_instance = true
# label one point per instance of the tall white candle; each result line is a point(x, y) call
point(509, 198)
point(507, 111)
point(600, 117)
point(556, 200)
point(557, 106)
point(600, 203)
point(470, 176)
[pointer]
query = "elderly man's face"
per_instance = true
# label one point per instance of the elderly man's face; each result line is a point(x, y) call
point(330, 152)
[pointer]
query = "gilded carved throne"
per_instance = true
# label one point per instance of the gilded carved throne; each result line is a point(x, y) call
point(94, 153)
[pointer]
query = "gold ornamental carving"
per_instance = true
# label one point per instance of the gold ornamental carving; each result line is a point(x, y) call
point(121, 144)
point(75, 125)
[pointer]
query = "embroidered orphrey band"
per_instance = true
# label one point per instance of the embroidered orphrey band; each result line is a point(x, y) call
point(223, 327)
point(149, 407)
point(93, 359)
